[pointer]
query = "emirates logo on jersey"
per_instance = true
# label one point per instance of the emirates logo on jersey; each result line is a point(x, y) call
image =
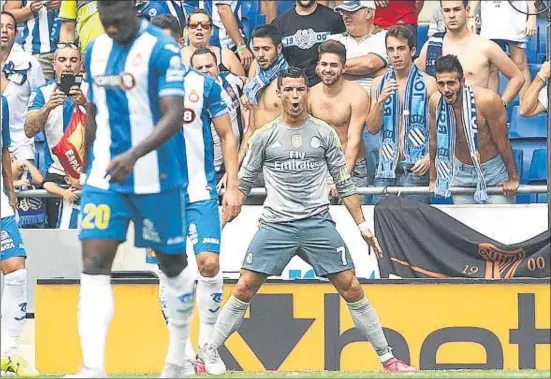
point(124, 81)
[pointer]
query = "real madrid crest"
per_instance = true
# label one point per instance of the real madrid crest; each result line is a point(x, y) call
point(315, 143)
point(296, 140)
point(193, 96)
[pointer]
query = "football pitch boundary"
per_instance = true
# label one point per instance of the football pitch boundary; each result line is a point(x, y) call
point(359, 374)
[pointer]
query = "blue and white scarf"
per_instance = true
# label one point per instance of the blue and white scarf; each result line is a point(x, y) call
point(263, 78)
point(445, 143)
point(414, 110)
point(434, 51)
point(16, 72)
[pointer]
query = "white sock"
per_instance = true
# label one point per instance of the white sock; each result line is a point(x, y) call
point(162, 292)
point(209, 301)
point(95, 311)
point(367, 322)
point(190, 353)
point(14, 310)
point(230, 320)
point(178, 294)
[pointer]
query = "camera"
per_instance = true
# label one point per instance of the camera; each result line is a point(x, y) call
point(67, 81)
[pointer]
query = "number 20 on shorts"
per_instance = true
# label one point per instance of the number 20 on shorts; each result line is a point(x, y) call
point(96, 216)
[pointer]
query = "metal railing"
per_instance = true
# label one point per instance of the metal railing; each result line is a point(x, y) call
point(257, 192)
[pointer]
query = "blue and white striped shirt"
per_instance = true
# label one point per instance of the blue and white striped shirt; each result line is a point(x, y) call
point(126, 85)
point(203, 102)
point(41, 31)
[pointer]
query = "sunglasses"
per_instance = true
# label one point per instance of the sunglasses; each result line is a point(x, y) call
point(195, 24)
point(62, 45)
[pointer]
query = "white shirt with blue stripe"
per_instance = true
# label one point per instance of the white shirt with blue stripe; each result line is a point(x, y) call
point(41, 31)
point(69, 215)
point(220, 36)
point(126, 85)
point(203, 102)
point(233, 88)
point(56, 124)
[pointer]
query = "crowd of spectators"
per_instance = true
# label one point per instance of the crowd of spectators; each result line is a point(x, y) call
point(43, 42)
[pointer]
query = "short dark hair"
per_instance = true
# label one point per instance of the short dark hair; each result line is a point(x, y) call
point(267, 31)
point(449, 63)
point(333, 47)
point(401, 32)
point(110, 3)
point(9, 14)
point(199, 11)
point(465, 3)
point(169, 22)
point(202, 51)
point(291, 72)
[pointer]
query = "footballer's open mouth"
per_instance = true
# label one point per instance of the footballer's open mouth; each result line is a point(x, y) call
point(295, 105)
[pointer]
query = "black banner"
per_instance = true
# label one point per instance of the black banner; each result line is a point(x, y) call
point(419, 241)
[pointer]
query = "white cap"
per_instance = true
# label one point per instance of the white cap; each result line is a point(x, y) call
point(354, 5)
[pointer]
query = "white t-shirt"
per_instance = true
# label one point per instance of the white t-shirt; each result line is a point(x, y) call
point(371, 44)
point(18, 94)
point(223, 35)
point(501, 21)
point(542, 97)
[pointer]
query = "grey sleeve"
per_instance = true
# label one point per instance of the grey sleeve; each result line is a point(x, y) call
point(252, 164)
point(336, 163)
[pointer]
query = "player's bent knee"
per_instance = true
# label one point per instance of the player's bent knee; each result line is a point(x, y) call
point(348, 286)
point(98, 256)
point(172, 264)
point(247, 286)
point(13, 264)
point(208, 264)
point(354, 292)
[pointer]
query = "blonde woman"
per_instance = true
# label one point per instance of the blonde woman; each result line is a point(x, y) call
point(199, 25)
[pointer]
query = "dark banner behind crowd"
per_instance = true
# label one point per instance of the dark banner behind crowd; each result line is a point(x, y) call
point(419, 241)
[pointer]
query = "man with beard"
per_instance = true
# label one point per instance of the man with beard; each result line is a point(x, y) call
point(399, 102)
point(297, 152)
point(343, 105)
point(477, 54)
point(473, 154)
point(260, 92)
point(304, 28)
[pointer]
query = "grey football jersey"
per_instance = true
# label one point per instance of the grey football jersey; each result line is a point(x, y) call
point(296, 162)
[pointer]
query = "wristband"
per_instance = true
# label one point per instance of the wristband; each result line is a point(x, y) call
point(240, 48)
point(364, 227)
point(539, 75)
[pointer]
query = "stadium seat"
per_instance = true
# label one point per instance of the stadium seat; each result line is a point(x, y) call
point(503, 81)
point(284, 6)
point(532, 49)
point(538, 172)
point(538, 167)
point(524, 198)
point(251, 17)
point(422, 36)
point(533, 68)
point(527, 128)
